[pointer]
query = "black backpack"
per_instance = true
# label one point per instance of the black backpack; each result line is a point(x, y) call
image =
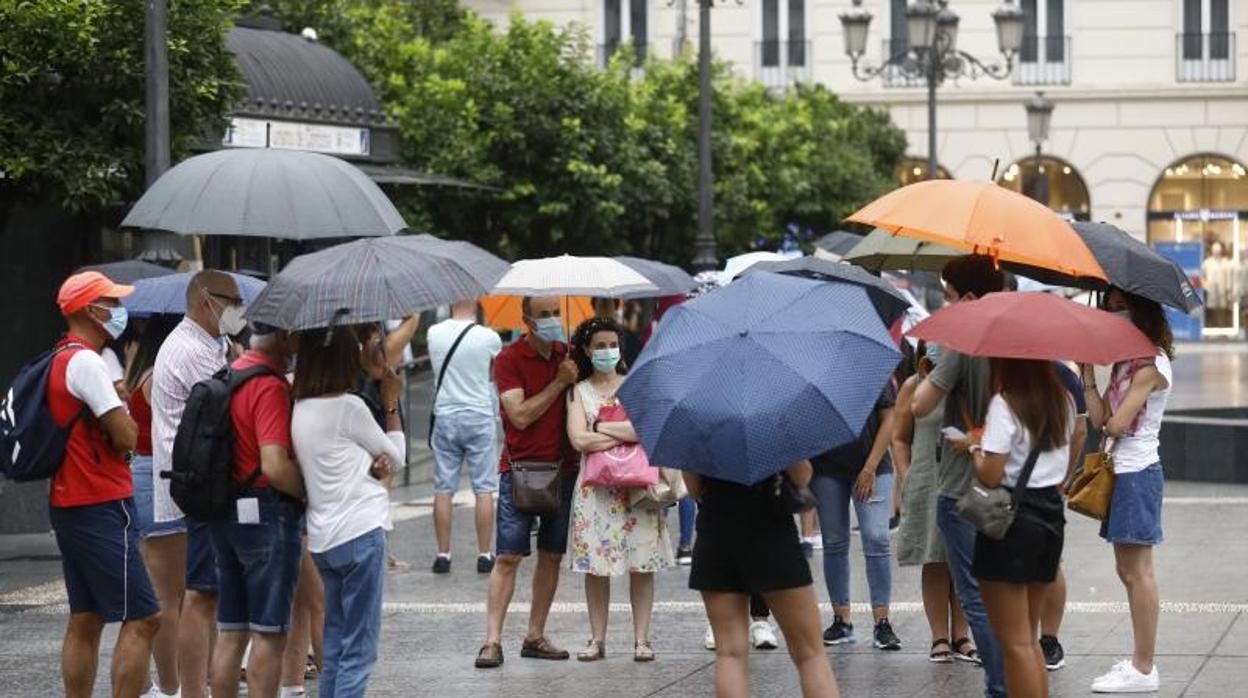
point(201, 481)
point(32, 444)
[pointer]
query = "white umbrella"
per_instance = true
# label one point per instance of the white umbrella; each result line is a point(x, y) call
point(566, 275)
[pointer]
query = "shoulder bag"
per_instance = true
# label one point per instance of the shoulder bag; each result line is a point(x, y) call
point(437, 388)
point(536, 486)
point(991, 509)
point(1092, 490)
point(669, 490)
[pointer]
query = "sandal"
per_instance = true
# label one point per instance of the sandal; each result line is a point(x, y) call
point(970, 656)
point(594, 650)
point(944, 656)
point(643, 652)
point(310, 668)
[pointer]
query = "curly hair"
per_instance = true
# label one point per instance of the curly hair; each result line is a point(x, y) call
point(578, 348)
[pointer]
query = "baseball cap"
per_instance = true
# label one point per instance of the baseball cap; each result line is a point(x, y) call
point(81, 290)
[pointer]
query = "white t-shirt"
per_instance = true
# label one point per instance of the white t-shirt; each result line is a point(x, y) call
point(1140, 449)
point(468, 386)
point(336, 440)
point(115, 371)
point(88, 379)
point(1003, 433)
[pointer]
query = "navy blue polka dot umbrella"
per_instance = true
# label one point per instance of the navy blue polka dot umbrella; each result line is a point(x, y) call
point(746, 380)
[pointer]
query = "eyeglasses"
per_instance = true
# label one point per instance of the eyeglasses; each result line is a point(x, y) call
point(232, 300)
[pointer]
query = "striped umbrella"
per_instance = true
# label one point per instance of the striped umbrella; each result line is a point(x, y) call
point(375, 279)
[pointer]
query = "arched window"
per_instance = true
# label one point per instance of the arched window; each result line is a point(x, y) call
point(1203, 200)
point(913, 170)
point(1051, 181)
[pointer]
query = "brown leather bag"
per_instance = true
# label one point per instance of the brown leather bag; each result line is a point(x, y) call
point(1092, 490)
point(536, 486)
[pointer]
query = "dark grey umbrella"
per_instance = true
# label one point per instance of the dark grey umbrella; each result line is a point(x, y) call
point(670, 280)
point(374, 280)
point(838, 242)
point(888, 301)
point(129, 271)
point(260, 192)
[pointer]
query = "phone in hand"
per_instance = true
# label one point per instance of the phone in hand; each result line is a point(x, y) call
point(953, 433)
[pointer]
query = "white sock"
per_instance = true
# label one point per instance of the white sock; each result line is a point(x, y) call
point(444, 555)
point(293, 691)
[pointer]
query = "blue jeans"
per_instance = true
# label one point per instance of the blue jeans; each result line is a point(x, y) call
point(959, 537)
point(834, 497)
point(353, 574)
point(688, 512)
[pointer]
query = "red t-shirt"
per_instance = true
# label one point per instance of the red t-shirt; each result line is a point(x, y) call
point(260, 412)
point(519, 366)
point(141, 413)
point(92, 471)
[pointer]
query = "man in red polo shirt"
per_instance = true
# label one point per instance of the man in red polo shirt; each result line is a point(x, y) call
point(92, 505)
point(533, 376)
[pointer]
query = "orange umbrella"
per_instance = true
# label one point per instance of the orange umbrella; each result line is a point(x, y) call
point(503, 312)
point(983, 218)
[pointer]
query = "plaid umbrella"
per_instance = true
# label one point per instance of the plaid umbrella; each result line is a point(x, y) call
point(373, 280)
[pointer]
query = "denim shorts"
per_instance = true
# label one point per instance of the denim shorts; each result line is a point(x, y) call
point(258, 565)
point(104, 573)
point(514, 528)
point(1135, 508)
point(141, 469)
point(201, 558)
point(465, 438)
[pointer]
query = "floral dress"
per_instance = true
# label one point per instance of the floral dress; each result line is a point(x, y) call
point(608, 537)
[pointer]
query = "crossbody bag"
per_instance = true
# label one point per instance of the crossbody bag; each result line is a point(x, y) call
point(992, 509)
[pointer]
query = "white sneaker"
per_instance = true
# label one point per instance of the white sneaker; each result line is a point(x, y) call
point(1125, 678)
point(762, 636)
point(709, 642)
point(816, 541)
point(155, 692)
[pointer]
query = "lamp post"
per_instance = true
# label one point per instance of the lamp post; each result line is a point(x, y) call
point(1039, 115)
point(932, 52)
point(705, 255)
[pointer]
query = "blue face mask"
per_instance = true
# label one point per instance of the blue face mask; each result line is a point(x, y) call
point(117, 319)
point(549, 329)
point(605, 360)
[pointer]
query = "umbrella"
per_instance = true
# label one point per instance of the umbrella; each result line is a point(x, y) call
point(566, 275)
point(982, 218)
point(261, 192)
point(670, 280)
point(882, 250)
point(838, 242)
point(888, 301)
point(505, 313)
point(129, 271)
point(1035, 326)
point(374, 279)
point(744, 381)
point(166, 295)
point(734, 266)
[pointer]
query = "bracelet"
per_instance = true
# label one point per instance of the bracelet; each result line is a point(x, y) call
point(392, 410)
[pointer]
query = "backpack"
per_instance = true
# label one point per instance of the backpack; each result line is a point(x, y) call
point(32, 444)
point(201, 481)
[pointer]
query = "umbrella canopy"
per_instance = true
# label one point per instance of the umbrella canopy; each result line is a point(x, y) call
point(260, 192)
point(166, 295)
point(888, 301)
point(882, 250)
point(129, 271)
point(744, 381)
point(983, 218)
point(566, 275)
point(838, 242)
point(506, 312)
point(373, 280)
point(670, 280)
point(1035, 326)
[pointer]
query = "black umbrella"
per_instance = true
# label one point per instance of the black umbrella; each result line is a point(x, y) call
point(375, 279)
point(838, 242)
point(888, 301)
point(129, 271)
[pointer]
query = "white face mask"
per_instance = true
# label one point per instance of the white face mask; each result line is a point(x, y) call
point(231, 321)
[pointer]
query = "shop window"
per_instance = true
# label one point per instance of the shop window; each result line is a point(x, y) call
point(1051, 181)
point(913, 170)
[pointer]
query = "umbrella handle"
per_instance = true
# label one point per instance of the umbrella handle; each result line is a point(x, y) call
point(333, 322)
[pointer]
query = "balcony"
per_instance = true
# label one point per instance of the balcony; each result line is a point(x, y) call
point(781, 64)
point(639, 49)
point(1205, 57)
point(1043, 60)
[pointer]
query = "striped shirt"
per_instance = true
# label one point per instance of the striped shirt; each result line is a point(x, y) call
point(188, 356)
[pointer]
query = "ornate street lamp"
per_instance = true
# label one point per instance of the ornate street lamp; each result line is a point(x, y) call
point(933, 54)
point(1039, 115)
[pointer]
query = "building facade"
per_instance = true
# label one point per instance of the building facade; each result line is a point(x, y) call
point(1149, 129)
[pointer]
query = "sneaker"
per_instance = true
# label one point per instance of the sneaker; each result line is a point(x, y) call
point(442, 564)
point(885, 638)
point(709, 641)
point(485, 563)
point(808, 549)
point(839, 632)
point(762, 636)
point(815, 541)
point(684, 555)
point(1125, 678)
point(894, 522)
point(155, 692)
point(1054, 656)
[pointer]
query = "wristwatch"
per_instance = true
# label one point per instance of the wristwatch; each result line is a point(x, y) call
point(392, 410)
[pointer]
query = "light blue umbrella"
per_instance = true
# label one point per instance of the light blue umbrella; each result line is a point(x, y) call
point(741, 383)
point(166, 295)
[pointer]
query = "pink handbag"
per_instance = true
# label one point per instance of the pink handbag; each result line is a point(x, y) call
point(625, 465)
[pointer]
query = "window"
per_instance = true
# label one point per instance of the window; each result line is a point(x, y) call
point(1206, 45)
point(782, 55)
point(1042, 56)
point(1051, 181)
point(898, 29)
point(914, 169)
point(624, 20)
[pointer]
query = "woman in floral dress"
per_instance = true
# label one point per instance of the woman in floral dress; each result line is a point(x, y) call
point(608, 537)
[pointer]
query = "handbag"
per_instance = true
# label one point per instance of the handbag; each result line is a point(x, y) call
point(991, 509)
point(437, 388)
point(536, 486)
point(665, 493)
point(1092, 490)
point(625, 465)
point(793, 498)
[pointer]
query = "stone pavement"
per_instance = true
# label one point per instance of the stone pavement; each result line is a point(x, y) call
point(433, 625)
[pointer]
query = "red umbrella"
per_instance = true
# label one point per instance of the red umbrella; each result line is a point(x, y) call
point(1035, 326)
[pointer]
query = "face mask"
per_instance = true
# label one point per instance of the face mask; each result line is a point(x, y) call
point(117, 319)
point(549, 329)
point(605, 360)
point(231, 321)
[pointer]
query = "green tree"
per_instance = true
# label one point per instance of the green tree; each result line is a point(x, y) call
point(72, 94)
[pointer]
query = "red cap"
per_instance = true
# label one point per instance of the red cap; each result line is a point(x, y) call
point(81, 290)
